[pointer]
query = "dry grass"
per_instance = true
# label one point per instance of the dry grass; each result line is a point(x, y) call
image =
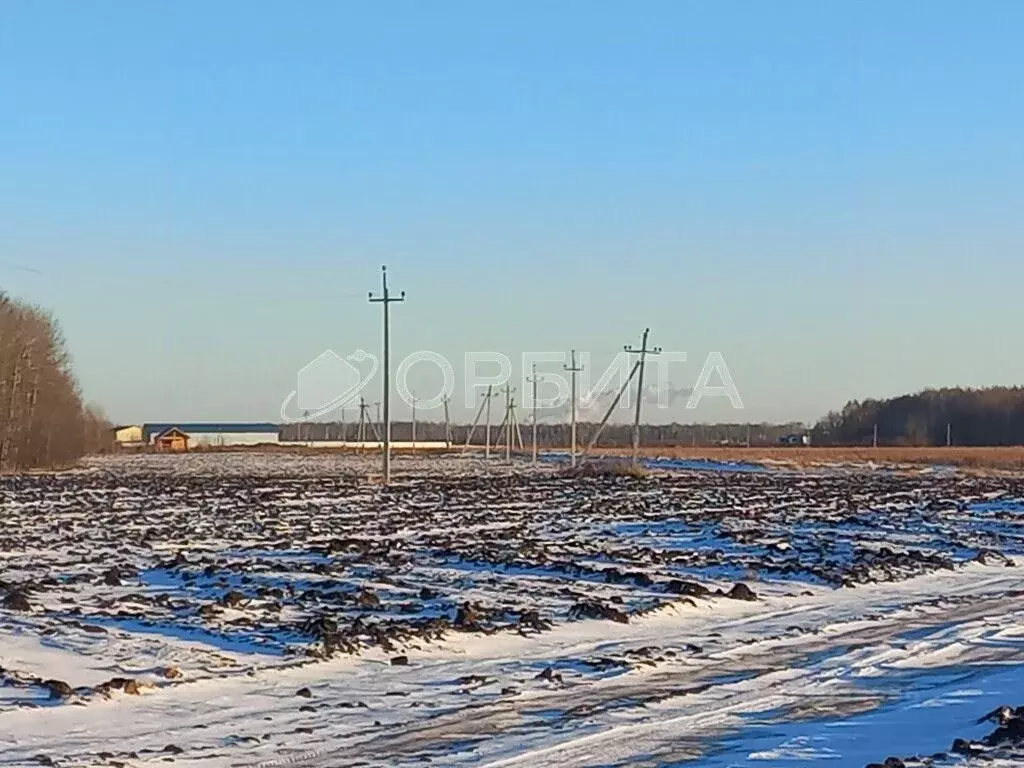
point(1008, 457)
point(608, 466)
point(979, 458)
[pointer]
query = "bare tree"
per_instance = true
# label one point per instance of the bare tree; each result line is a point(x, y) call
point(43, 422)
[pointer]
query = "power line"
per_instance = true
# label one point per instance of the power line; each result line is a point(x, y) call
point(387, 300)
point(21, 267)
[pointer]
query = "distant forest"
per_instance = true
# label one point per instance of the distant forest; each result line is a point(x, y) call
point(43, 422)
point(990, 416)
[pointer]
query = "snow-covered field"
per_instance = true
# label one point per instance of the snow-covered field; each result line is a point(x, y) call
point(258, 609)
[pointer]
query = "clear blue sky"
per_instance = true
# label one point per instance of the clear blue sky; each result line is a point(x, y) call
point(828, 193)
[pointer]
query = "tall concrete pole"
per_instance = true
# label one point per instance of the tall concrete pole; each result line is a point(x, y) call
point(573, 370)
point(643, 352)
point(534, 380)
point(447, 426)
point(386, 299)
point(509, 416)
point(472, 429)
point(612, 407)
point(487, 428)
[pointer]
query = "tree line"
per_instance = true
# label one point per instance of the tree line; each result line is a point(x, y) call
point(558, 435)
point(989, 416)
point(43, 421)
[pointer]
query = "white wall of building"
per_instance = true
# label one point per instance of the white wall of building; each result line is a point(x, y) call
point(220, 439)
point(129, 434)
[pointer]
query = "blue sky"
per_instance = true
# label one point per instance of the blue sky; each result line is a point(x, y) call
point(828, 194)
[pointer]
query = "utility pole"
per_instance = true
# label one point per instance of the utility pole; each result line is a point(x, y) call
point(949, 434)
point(535, 380)
point(611, 408)
point(643, 352)
point(487, 429)
point(447, 426)
point(510, 414)
point(472, 430)
point(874, 436)
point(573, 370)
point(387, 300)
point(361, 431)
point(414, 422)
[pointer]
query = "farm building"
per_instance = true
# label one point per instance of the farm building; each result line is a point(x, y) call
point(129, 436)
point(184, 435)
point(173, 440)
point(216, 435)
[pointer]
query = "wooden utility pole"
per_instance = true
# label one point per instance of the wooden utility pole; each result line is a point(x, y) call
point(643, 352)
point(535, 380)
point(387, 300)
point(573, 370)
